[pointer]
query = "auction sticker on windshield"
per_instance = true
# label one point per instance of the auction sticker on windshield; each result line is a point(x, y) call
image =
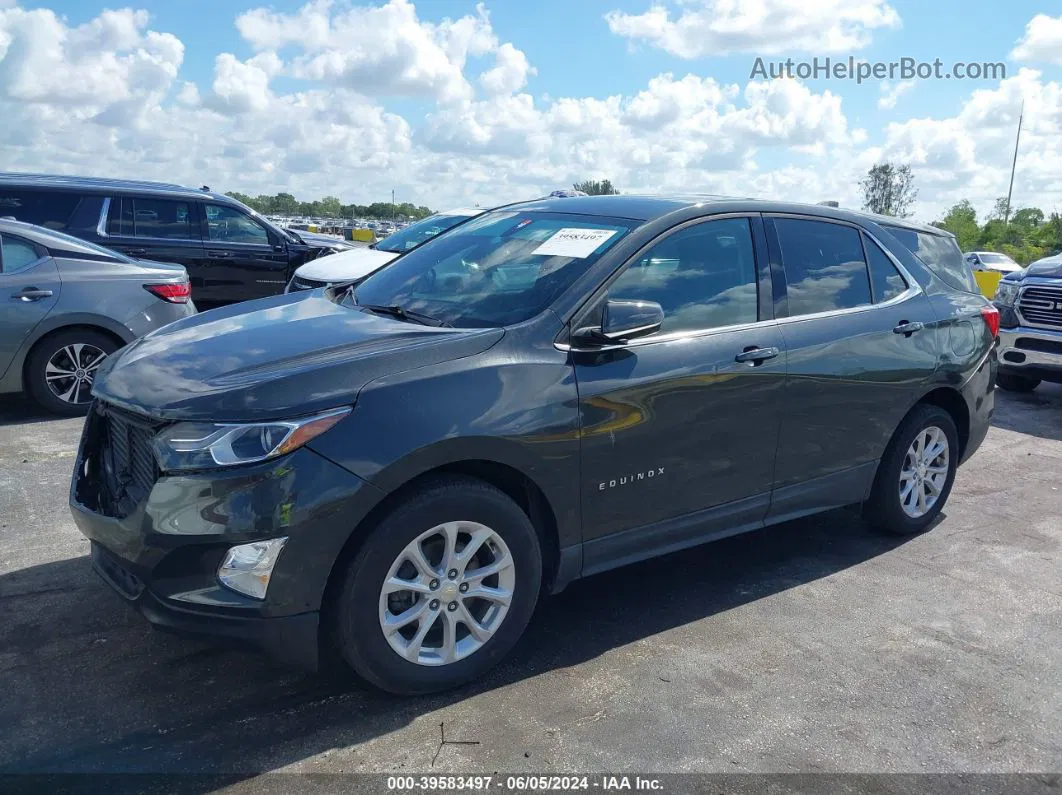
point(574, 242)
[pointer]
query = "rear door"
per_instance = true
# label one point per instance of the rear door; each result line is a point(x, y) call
point(683, 420)
point(244, 260)
point(29, 289)
point(862, 349)
point(164, 230)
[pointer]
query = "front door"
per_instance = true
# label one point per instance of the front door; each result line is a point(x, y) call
point(243, 261)
point(686, 419)
point(862, 346)
point(29, 288)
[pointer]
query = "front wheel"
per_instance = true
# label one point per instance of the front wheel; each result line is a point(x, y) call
point(1016, 383)
point(441, 590)
point(916, 473)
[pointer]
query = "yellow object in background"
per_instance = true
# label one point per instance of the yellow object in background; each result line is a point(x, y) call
point(364, 236)
point(988, 281)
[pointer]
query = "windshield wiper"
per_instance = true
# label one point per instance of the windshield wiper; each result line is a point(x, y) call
point(394, 310)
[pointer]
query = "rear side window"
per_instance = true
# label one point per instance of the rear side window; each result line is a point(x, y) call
point(941, 254)
point(58, 210)
point(885, 279)
point(155, 218)
point(16, 255)
point(824, 267)
point(703, 277)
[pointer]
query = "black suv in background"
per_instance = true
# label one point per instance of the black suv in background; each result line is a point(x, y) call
point(230, 252)
point(547, 391)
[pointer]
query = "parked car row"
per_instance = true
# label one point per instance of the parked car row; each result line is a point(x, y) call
point(398, 470)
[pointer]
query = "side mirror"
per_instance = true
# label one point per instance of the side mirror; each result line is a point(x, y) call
point(624, 320)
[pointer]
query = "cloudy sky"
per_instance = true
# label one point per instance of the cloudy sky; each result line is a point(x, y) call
point(452, 103)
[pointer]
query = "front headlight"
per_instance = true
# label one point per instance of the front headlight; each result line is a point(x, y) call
point(1006, 293)
point(207, 445)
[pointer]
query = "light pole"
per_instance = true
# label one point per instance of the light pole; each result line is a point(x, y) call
point(1014, 164)
point(392, 205)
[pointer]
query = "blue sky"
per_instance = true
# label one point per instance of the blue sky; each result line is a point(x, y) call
point(449, 139)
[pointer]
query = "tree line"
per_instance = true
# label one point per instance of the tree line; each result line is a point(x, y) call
point(329, 207)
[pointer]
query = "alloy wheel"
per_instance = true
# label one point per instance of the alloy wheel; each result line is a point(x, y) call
point(71, 370)
point(447, 593)
point(924, 472)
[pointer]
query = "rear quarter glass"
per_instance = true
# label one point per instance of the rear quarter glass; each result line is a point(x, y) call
point(940, 253)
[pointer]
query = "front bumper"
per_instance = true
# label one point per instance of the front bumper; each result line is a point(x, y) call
point(162, 554)
point(1031, 352)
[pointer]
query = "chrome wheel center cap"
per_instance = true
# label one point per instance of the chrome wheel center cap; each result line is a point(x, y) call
point(449, 591)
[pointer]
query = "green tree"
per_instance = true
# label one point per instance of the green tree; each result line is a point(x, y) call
point(596, 188)
point(888, 189)
point(961, 221)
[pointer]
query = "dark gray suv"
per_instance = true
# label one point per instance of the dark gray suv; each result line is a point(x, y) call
point(66, 304)
point(550, 390)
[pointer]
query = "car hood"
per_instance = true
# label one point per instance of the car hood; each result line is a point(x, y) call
point(276, 357)
point(346, 266)
point(1048, 268)
point(321, 241)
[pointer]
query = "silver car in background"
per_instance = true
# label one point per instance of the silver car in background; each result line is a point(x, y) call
point(65, 304)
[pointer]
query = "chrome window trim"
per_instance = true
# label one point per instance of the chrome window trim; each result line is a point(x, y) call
point(906, 295)
point(673, 336)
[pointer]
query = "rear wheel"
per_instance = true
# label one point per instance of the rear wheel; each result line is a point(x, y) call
point(1016, 383)
point(916, 473)
point(441, 590)
point(61, 368)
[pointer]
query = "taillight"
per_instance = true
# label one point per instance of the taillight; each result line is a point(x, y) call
point(991, 318)
point(180, 292)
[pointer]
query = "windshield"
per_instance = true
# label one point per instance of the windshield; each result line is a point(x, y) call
point(996, 259)
point(415, 234)
point(498, 269)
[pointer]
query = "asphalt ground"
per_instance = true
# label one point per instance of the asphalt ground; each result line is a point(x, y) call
point(819, 646)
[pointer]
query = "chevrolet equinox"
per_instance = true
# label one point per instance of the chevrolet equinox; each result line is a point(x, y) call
point(396, 471)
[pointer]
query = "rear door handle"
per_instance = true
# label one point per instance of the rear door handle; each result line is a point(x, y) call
point(219, 254)
point(31, 294)
point(136, 252)
point(907, 328)
point(754, 355)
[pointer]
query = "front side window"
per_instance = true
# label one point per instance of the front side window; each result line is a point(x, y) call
point(415, 234)
point(16, 255)
point(498, 269)
point(885, 279)
point(941, 254)
point(229, 225)
point(703, 277)
point(824, 267)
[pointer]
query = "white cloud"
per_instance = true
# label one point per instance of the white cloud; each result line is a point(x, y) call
point(377, 50)
point(766, 27)
point(243, 86)
point(891, 93)
point(1042, 41)
point(510, 72)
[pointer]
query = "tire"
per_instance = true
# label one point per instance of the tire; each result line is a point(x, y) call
point(361, 607)
point(1016, 383)
point(59, 351)
point(884, 509)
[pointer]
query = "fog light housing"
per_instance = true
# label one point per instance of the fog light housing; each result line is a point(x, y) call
point(247, 568)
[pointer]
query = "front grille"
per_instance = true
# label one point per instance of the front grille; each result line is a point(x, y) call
point(1041, 305)
point(129, 469)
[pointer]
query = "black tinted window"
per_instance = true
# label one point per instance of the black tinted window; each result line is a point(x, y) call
point(161, 218)
point(824, 266)
point(62, 211)
point(702, 277)
point(941, 255)
point(16, 255)
point(228, 224)
point(885, 279)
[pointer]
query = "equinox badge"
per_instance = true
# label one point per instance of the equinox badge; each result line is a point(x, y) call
point(628, 479)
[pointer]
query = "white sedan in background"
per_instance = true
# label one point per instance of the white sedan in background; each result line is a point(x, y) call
point(356, 264)
point(991, 261)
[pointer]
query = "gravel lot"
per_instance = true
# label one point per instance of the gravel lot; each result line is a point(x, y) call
point(816, 646)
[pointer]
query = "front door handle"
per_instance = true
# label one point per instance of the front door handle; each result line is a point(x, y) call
point(31, 294)
point(219, 254)
point(907, 328)
point(136, 252)
point(754, 355)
